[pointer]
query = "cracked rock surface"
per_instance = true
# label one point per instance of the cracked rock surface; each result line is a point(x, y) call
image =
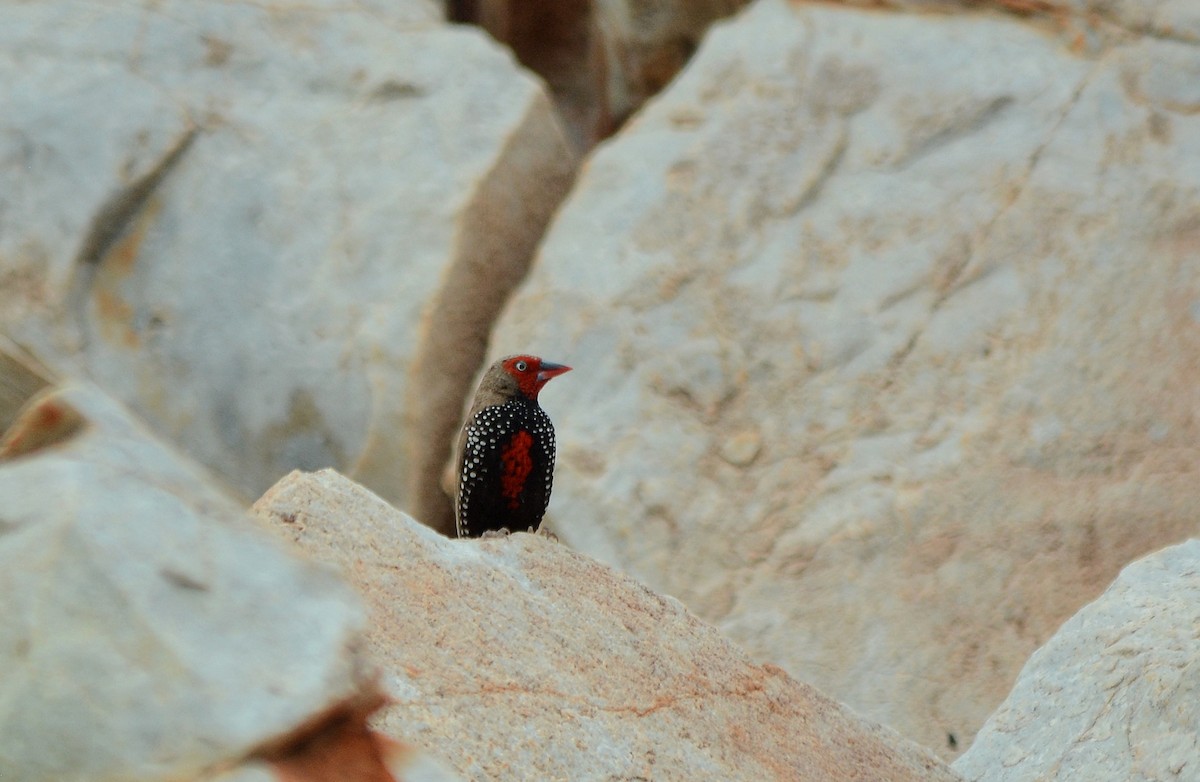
point(886, 338)
point(516, 658)
point(150, 629)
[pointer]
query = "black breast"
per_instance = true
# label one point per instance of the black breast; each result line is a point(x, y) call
point(507, 469)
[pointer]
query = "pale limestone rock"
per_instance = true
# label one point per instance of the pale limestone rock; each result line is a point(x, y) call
point(1113, 694)
point(239, 218)
point(151, 630)
point(518, 659)
point(945, 265)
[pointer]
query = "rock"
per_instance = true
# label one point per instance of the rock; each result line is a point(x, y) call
point(1112, 695)
point(516, 658)
point(943, 265)
point(151, 630)
point(258, 224)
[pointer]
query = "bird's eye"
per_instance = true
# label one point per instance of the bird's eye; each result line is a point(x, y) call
point(521, 366)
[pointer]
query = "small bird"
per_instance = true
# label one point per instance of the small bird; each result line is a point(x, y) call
point(506, 450)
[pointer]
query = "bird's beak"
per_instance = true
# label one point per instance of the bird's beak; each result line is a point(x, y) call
point(549, 369)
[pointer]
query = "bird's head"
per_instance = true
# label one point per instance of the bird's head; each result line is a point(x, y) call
point(522, 375)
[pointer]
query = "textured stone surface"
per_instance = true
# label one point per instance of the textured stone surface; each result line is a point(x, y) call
point(886, 340)
point(150, 629)
point(240, 218)
point(1113, 695)
point(519, 659)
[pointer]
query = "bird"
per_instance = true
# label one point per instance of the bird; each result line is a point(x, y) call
point(506, 450)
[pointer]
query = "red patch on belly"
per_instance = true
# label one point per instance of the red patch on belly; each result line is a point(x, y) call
point(515, 466)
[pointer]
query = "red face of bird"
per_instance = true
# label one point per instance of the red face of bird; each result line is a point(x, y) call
point(531, 372)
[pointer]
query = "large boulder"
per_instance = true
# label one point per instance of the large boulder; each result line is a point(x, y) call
point(1113, 695)
point(151, 630)
point(519, 659)
point(280, 232)
point(886, 341)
